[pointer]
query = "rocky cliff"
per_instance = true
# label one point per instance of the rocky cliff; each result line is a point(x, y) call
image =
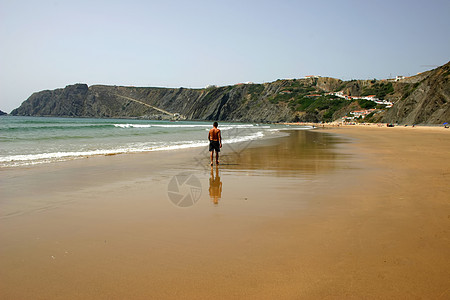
point(419, 99)
point(234, 103)
point(422, 99)
point(2, 113)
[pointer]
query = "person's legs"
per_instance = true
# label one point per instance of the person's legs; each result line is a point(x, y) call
point(217, 157)
point(212, 155)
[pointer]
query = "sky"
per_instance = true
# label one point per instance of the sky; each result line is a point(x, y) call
point(48, 44)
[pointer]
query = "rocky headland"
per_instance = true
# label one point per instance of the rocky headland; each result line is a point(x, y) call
point(420, 99)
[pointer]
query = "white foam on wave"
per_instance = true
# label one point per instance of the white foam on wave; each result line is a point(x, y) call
point(254, 136)
point(224, 127)
point(132, 126)
point(58, 155)
point(160, 125)
point(229, 127)
point(292, 128)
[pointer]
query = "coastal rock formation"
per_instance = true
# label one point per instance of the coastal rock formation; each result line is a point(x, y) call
point(233, 103)
point(419, 99)
point(2, 113)
point(424, 99)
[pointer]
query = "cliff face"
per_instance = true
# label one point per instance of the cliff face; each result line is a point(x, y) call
point(419, 99)
point(233, 103)
point(425, 99)
point(2, 113)
point(61, 102)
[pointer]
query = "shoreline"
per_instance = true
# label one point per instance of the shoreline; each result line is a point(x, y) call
point(369, 125)
point(336, 213)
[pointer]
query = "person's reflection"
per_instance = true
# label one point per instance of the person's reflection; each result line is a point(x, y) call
point(215, 186)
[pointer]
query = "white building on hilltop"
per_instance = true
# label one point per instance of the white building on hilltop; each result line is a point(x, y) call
point(312, 76)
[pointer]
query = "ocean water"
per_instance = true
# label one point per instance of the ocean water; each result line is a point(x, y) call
point(36, 140)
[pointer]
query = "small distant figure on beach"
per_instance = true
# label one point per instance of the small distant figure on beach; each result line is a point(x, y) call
point(215, 142)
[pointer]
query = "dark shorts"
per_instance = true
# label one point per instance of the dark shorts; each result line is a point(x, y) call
point(214, 145)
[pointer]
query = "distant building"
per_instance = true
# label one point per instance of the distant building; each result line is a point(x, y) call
point(312, 76)
point(356, 114)
point(399, 77)
point(370, 98)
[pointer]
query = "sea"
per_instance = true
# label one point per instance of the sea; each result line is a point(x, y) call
point(28, 141)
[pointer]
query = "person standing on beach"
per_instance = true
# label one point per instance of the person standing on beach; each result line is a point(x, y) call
point(215, 142)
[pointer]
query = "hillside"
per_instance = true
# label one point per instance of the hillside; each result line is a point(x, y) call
point(419, 99)
point(422, 99)
point(2, 113)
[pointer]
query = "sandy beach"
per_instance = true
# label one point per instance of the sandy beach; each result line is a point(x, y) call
point(336, 213)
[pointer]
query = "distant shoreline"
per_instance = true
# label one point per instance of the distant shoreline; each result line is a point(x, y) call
point(367, 125)
point(315, 124)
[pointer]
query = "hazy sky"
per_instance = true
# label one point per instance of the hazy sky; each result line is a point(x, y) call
point(48, 44)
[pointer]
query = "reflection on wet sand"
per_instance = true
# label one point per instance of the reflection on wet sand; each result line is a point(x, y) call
point(305, 152)
point(215, 186)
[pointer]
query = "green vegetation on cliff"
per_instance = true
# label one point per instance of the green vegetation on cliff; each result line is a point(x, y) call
point(379, 89)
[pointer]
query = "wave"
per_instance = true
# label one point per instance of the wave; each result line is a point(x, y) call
point(52, 126)
point(292, 128)
point(39, 158)
point(132, 126)
point(230, 127)
point(225, 127)
point(161, 125)
point(56, 127)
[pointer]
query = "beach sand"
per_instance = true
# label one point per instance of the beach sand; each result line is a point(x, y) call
point(348, 212)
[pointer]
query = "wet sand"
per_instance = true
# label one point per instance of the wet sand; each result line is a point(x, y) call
point(336, 213)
